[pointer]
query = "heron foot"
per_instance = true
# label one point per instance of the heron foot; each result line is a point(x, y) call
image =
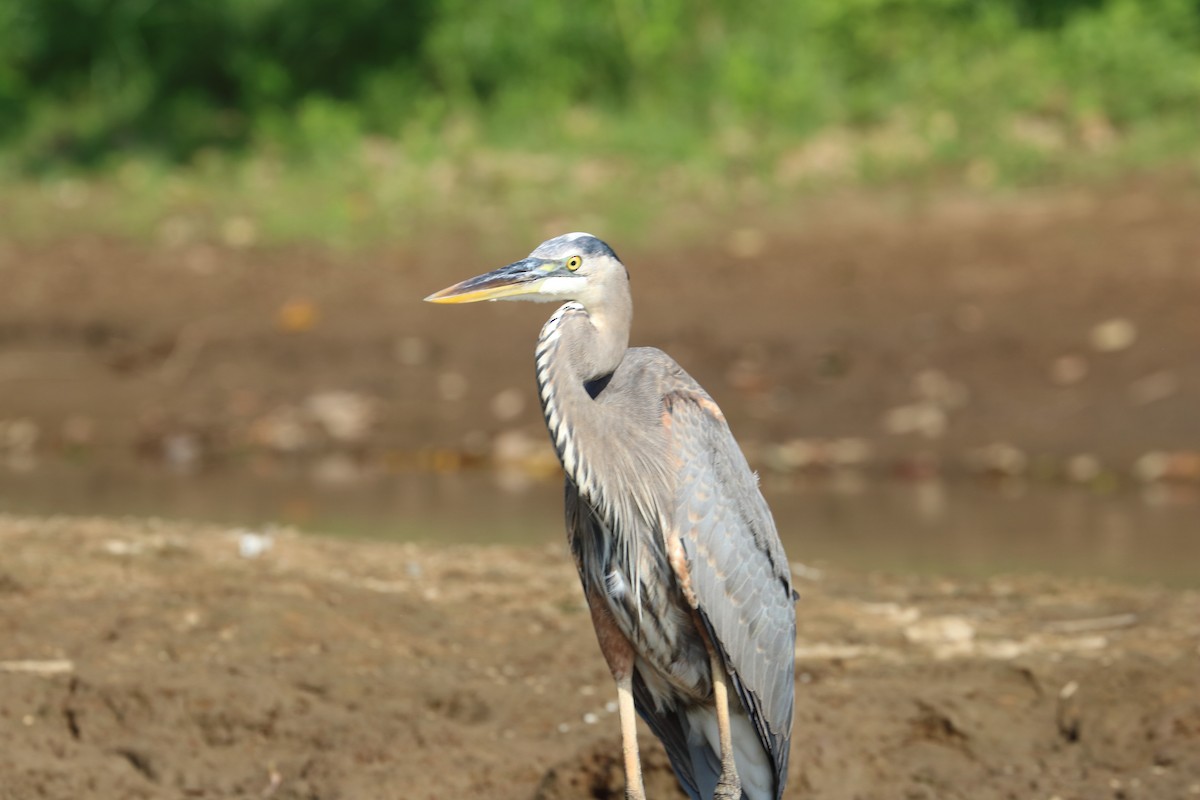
point(729, 787)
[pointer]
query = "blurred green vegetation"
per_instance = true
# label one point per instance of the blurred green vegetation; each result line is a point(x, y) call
point(984, 91)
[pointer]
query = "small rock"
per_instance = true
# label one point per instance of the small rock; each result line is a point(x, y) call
point(285, 430)
point(940, 630)
point(1068, 370)
point(1067, 713)
point(19, 436)
point(252, 544)
point(1183, 465)
point(1151, 467)
point(508, 404)
point(805, 572)
point(1152, 388)
point(924, 418)
point(521, 456)
point(998, 458)
point(346, 417)
point(935, 386)
point(515, 447)
point(793, 455)
point(850, 452)
point(894, 613)
point(181, 450)
point(56, 666)
point(1113, 335)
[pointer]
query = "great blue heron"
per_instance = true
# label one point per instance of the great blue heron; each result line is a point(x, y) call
point(688, 585)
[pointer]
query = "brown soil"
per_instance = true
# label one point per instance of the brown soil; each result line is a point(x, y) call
point(813, 324)
point(142, 659)
point(151, 660)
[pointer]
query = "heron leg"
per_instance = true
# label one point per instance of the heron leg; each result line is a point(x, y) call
point(729, 787)
point(634, 790)
point(618, 652)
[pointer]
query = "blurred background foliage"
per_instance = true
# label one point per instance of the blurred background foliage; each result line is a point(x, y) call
point(985, 91)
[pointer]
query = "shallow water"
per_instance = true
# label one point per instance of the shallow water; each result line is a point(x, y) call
point(925, 527)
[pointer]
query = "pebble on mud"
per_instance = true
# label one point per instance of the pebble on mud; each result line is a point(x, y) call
point(345, 417)
point(251, 544)
point(935, 386)
point(1113, 335)
point(283, 430)
point(998, 458)
point(56, 666)
point(1153, 387)
point(800, 454)
point(182, 450)
point(805, 572)
point(924, 418)
point(1183, 465)
point(508, 404)
point(940, 630)
point(519, 451)
point(19, 436)
point(1068, 370)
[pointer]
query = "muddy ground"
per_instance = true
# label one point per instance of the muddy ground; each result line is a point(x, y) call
point(143, 659)
point(1061, 325)
point(151, 660)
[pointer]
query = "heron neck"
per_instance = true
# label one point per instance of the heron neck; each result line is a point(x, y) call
point(576, 351)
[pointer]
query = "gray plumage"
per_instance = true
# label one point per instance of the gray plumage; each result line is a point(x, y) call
point(674, 543)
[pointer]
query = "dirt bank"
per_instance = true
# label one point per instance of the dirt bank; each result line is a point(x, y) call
point(142, 659)
point(1061, 325)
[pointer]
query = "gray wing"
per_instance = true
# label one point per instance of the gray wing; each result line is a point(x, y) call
point(737, 568)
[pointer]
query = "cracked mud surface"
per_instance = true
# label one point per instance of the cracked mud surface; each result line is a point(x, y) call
point(149, 660)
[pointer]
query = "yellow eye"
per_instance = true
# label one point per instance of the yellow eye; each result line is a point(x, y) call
point(574, 262)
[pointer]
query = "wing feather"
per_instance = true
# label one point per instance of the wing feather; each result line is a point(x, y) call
point(737, 570)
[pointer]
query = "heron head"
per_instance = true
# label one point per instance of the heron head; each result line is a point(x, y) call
point(575, 266)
